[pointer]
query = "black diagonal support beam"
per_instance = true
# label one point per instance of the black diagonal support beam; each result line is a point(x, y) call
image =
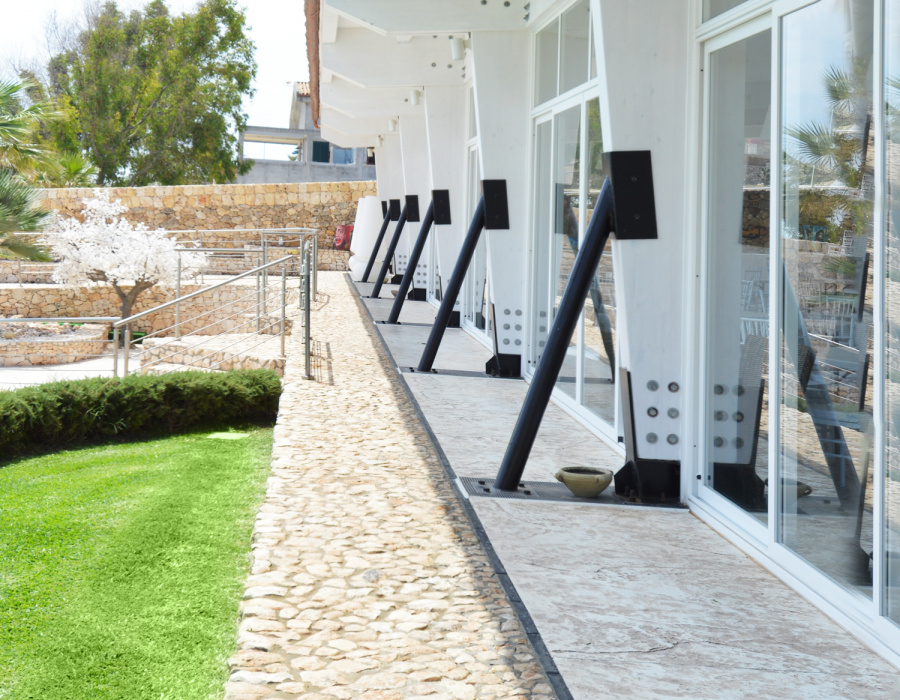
point(388, 256)
point(538, 396)
point(384, 224)
point(451, 293)
point(413, 263)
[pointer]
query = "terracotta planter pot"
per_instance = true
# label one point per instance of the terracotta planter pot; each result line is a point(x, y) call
point(585, 482)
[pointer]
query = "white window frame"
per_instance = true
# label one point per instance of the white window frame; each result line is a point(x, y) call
point(861, 615)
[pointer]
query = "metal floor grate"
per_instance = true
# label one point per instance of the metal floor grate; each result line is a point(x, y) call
point(534, 491)
point(478, 487)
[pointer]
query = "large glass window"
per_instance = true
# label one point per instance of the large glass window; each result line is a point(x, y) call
point(566, 228)
point(827, 238)
point(599, 346)
point(568, 175)
point(738, 271)
point(714, 8)
point(892, 313)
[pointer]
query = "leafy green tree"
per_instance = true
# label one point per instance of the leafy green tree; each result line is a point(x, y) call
point(156, 98)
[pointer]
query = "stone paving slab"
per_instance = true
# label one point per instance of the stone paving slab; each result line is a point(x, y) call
point(368, 580)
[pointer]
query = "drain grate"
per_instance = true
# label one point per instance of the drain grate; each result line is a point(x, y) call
point(534, 491)
point(477, 487)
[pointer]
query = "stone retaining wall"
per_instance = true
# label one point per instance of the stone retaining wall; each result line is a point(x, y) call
point(225, 309)
point(318, 205)
point(54, 351)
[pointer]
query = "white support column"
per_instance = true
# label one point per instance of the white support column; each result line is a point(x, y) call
point(389, 168)
point(445, 122)
point(644, 106)
point(502, 82)
point(416, 180)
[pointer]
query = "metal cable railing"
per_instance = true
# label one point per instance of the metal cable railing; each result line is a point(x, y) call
point(253, 320)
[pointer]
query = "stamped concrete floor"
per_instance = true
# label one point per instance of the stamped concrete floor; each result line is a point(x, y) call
point(630, 601)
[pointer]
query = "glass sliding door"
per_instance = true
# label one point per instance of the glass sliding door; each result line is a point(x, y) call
point(566, 227)
point(567, 177)
point(599, 323)
point(737, 322)
point(827, 432)
point(543, 177)
point(476, 300)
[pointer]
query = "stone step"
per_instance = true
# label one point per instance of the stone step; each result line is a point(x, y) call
point(221, 352)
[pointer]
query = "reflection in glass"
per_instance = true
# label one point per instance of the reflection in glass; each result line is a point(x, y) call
point(576, 23)
point(543, 178)
point(566, 226)
point(714, 8)
point(738, 271)
point(599, 353)
point(892, 305)
point(546, 63)
point(826, 242)
point(476, 299)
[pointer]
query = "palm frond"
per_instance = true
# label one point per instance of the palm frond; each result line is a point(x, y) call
point(817, 144)
point(840, 89)
point(20, 205)
point(21, 247)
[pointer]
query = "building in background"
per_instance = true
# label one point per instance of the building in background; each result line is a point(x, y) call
point(299, 153)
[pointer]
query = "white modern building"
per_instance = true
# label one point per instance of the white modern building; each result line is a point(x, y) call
point(299, 153)
point(760, 327)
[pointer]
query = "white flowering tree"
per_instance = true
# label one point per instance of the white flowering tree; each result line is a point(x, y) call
point(105, 248)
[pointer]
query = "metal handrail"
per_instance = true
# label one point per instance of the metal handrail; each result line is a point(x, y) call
point(63, 319)
point(168, 304)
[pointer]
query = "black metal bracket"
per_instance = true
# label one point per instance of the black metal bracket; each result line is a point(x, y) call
point(634, 209)
point(384, 208)
point(647, 480)
point(394, 208)
point(496, 204)
point(441, 200)
point(412, 208)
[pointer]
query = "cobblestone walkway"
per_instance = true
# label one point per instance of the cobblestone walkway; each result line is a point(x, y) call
point(367, 579)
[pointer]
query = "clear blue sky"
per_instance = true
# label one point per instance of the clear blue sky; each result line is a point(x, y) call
point(278, 28)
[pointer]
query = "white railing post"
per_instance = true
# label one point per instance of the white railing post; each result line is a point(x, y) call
point(283, 306)
point(306, 320)
point(315, 265)
point(178, 304)
point(127, 343)
point(115, 351)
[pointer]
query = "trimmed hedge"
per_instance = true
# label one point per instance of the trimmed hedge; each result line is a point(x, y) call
point(69, 413)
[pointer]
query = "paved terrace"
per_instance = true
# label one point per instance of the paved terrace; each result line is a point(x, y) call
point(373, 578)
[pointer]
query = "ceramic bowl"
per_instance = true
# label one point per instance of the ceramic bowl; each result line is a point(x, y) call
point(585, 482)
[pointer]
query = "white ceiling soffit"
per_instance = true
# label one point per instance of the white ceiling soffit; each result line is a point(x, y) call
point(373, 60)
point(439, 16)
point(354, 101)
point(352, 126)
point(339, 138)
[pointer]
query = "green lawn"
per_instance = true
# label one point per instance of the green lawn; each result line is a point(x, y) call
point(121, 567)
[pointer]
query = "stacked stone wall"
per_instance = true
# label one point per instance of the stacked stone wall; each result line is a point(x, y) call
point(319, 205)
point(54, 351)
point(227, 309)
point(755, 224)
